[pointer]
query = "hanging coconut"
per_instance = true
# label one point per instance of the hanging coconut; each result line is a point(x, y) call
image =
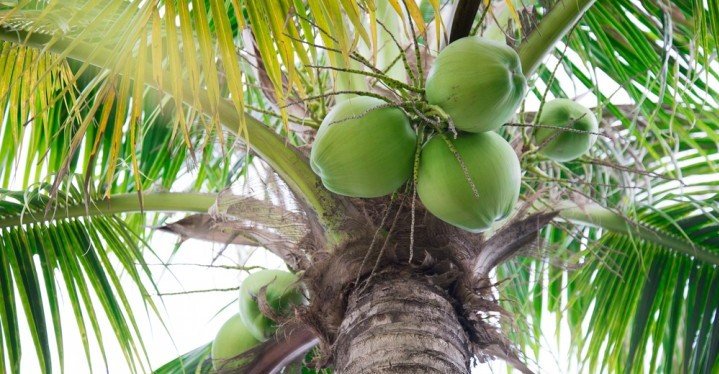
point(478, 82)
point(281, 292)
point(565, 145)
point(233, 339)
point(363, 149)
point(445, 191)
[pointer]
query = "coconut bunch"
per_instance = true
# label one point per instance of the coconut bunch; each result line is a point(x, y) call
point(275, 289)
point(444, 140)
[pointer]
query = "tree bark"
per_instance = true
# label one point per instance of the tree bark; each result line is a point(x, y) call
point(401, 324)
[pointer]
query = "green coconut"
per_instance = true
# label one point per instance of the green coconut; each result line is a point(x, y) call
point(446, 192)
point(478, 82)
point(281, 293)
point(233, 339)
point(363, 149)
point(566, 145)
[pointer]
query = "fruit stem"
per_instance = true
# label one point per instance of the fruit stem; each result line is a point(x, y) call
point(439, 111)
point(534, 169)
point(551, 29)
point(393, 83)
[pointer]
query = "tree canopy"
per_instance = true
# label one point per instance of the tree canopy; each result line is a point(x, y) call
point(114, 112)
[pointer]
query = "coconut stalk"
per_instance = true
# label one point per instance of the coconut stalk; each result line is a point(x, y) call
point(464, 14)
point(553, 26)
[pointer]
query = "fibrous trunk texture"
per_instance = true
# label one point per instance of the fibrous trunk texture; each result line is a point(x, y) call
point(401, 324)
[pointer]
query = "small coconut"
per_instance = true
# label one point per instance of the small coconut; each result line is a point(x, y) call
point(363, 148)
point(562, 145)
point(478, 82)
point(233, 339)
point(281, 292)
point(446, 192)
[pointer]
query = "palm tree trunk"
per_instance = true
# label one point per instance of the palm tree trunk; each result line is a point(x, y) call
point(401, 324)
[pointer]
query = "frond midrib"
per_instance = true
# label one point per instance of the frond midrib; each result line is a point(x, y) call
point(186, 202)
point(598, 216)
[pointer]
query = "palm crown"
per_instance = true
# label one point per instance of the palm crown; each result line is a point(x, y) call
point(106, 105)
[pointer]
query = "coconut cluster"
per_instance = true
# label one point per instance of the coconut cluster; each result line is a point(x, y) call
point(250, 326)
point(468, 175)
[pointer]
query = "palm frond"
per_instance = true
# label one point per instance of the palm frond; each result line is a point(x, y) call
point(671, 298)
point(80, 258)
point(195, 361)
point(117, 51)
point(79, 249)
point(71, 126)
point(629, 297)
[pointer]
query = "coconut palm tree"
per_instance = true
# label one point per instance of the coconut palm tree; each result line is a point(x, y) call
point(117, 112)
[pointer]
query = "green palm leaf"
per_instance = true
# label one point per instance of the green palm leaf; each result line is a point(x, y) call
point(195, 361)
point(72, 105)
point(65, 246)
point(626, 298)
point(659, 289)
